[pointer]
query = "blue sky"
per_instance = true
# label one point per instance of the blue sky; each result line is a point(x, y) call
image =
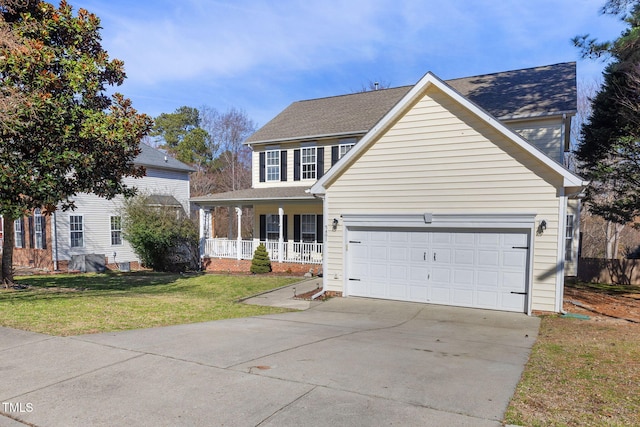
point(259, 56)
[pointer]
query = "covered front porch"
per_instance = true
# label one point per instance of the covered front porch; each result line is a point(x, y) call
point(287, 220)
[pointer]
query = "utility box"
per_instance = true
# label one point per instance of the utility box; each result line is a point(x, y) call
point(88, 263)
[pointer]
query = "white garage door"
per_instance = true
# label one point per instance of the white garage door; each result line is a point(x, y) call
point(467, 269)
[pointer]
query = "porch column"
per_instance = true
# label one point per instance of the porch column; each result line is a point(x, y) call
point(239, 238)
point(204, 229)
point(281, 235)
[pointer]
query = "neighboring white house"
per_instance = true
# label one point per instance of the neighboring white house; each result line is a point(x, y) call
point(90, 236)
point(442, 192)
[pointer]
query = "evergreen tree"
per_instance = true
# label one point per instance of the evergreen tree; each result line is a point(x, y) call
point(260, 263)
point(608, 150)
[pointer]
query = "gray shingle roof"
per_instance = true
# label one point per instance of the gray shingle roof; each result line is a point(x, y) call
point(255, 195)
point(152, 157)
point(528, 92)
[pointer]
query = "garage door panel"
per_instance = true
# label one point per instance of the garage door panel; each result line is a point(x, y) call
point(462, 277)
point(490, 278)
point(378, 253)
point(462, 297)
point(514, 259)
point(440, 276)
point(440, 295)
point(463, 257)
point(418, 293)
point(441, 255)
point(464, 239)
point(487, 299)
point(469, 269)
point(398, 254)
point(489, 257)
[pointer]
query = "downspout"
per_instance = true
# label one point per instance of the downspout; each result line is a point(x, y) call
point(324, 249)
point(562, 230)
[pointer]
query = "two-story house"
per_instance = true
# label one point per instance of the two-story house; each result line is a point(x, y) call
point(443, 192)
point(90, 237)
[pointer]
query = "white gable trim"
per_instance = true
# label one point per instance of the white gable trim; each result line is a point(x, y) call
point(430, 79)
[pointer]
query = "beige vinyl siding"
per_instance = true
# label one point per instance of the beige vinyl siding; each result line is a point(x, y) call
point(290, 146)
point(545, 134)
point(434, 161)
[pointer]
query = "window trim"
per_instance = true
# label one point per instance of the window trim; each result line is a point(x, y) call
point(273, 221)
point(80, 232)
point(38, 230)
point(115, 230)
point(18, 231)
point(272, 155)
point(568, 238)
point(314, 228)
point(341, 154)
point(309, 168)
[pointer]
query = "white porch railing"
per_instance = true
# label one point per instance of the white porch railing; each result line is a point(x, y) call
point(295, 252)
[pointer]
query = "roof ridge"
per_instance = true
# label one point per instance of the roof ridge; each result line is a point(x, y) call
point(352, 94)
point(510, 71)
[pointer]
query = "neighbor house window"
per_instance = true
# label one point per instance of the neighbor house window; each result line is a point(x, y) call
point(76, 230)
point(308, 228)
point(18, 229)
point(273, 227)
point(116, 230)
point(309, 163)
point(273, 165)
point(38, 229)
point(568, 248)
point(344, 149)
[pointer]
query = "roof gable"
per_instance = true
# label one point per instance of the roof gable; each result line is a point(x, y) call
point(401, 108)
point(530, 92)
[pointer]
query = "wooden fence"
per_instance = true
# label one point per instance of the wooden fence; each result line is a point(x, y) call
point(618, 271)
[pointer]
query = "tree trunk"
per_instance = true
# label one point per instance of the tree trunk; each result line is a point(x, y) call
point(7, 252)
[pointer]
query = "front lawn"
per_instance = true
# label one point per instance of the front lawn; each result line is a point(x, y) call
point(580, 373)
point(89, 303)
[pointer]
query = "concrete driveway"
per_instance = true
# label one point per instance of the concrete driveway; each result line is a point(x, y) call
point(347, 362)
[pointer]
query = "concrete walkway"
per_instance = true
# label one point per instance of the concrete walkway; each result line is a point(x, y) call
point(347, 362)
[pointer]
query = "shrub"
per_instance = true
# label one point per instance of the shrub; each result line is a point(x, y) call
point(260, 263)
point(163, 237)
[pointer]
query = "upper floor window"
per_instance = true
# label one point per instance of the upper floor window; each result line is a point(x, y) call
point(76, 231)
point(309, 163)
point(344, 149)
point(116, 230)
point(568, 248)
point(273, 165)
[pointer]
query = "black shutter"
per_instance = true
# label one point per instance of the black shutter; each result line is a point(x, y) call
point(296, 228)
point(296, 165)
point(319, 229)
point(263, 228)
point(22, 236)
point(262, 166)
point(31, 232)
point(283, 165)
point(284, 228)
point(335, 154)
point(43, 221)
point(319, 162)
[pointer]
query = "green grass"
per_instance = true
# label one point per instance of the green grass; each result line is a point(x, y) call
point(89, 303)
point(580, 373)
